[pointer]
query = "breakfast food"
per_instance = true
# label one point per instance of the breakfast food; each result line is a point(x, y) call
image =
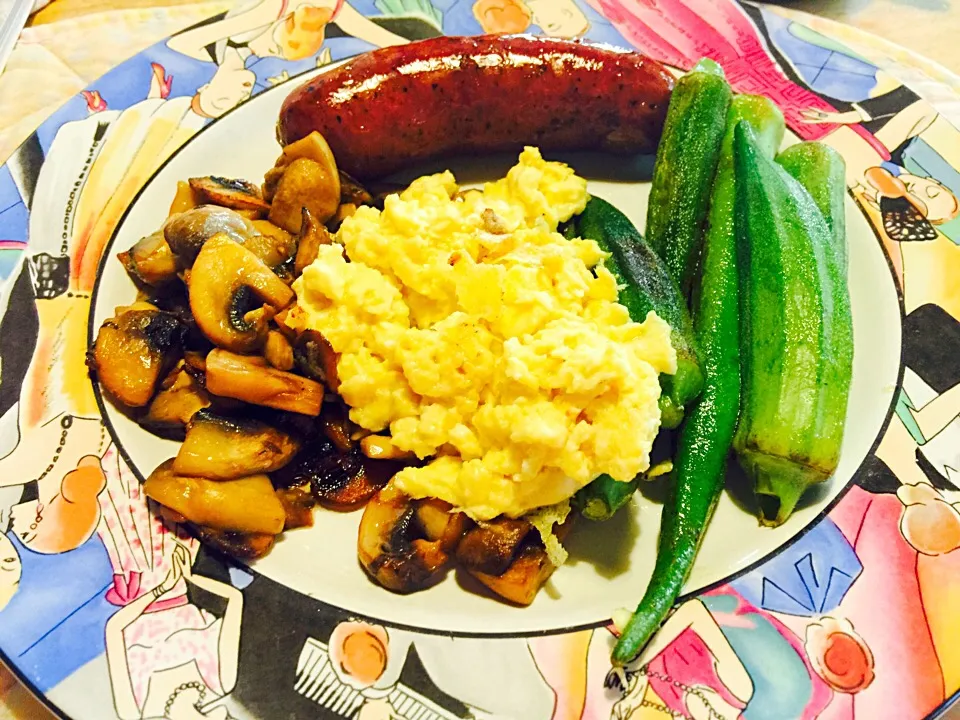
point(685, 168)
point(480, 360)
point(397, 106)
point(704, 443)
point(798, 333)
point(772, 316)
point(474, 333)
point(645, 285)
point(477, 368)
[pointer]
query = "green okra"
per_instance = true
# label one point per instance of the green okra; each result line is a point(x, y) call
point(645, 286)
point(796, 333)
point(707, 432)
point(684, 170)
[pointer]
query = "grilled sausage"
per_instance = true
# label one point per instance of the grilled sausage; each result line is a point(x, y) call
point(398, 106)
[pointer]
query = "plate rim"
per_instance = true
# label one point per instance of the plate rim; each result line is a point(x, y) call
point(301, 79)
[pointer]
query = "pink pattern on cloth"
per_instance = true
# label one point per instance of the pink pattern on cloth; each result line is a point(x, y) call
point(163, 640)
point(688, 659)
point(886, 608)
point(126, 589)
point(745, 611)
point(680, 32)
point(137, 541)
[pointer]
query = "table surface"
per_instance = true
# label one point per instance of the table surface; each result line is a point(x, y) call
point(927, 27)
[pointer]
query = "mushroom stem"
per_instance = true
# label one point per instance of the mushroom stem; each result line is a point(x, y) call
point(223, 275)
point(223, 448)
point(253, 381)
point(245, 505)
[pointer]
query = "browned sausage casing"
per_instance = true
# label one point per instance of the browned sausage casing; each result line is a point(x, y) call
point(395, 107)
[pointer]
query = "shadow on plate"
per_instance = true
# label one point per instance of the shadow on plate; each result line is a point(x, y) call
point(605, 545)
point(474, 170)
point(739, 488)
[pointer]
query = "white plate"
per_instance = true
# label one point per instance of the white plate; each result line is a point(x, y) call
point(610, 563)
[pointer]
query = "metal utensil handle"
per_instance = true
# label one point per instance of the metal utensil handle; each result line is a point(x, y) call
point(12, 26)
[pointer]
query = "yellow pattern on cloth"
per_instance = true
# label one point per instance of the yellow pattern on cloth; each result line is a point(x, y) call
point(51, 63)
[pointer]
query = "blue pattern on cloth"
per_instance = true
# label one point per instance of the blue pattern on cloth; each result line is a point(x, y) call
point(13, 222)
point(808, 578)
point(55, 623)
point(892, 168)
point(825, 69)
point(922, 160)
point(782, 686)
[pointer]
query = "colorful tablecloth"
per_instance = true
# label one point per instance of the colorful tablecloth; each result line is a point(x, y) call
point(72, 42)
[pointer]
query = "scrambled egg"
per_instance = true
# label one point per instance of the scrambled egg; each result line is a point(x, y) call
point(477, 335)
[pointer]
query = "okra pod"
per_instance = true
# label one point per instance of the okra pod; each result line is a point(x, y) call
point(796, 334)
point(685, 167)
point(705, 438)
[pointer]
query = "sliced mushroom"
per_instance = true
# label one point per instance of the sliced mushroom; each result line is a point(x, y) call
point(134, 351)
point(520, 582)
point(312, 235)
point(184, 199)
point(316, 359)
point(251, 214)
point(245, 546)
point(195, 363)
point(150, 261)
point(140, 304)
point(274, 245)
point(314, 148)
point(298, 503)
point(528, 569)
point(353, 192)
point(246, 505)
point(280, 320)
point(253, 381)
point(285, 273)
point(341, 480)
point(381, 447)
point(336, 425)
point(392, 545)
point(492, 546)
point(223, 448)
point(174, 299)
point(278, 351)
point(179, 399)
point(186, 232)
point(272, 177)
point(224, 277)
point(229, 192)
point(304, 184)
point(441, 524)
point(305, 427)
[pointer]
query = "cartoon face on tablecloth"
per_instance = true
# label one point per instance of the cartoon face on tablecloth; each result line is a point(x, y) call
point(168, 636)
